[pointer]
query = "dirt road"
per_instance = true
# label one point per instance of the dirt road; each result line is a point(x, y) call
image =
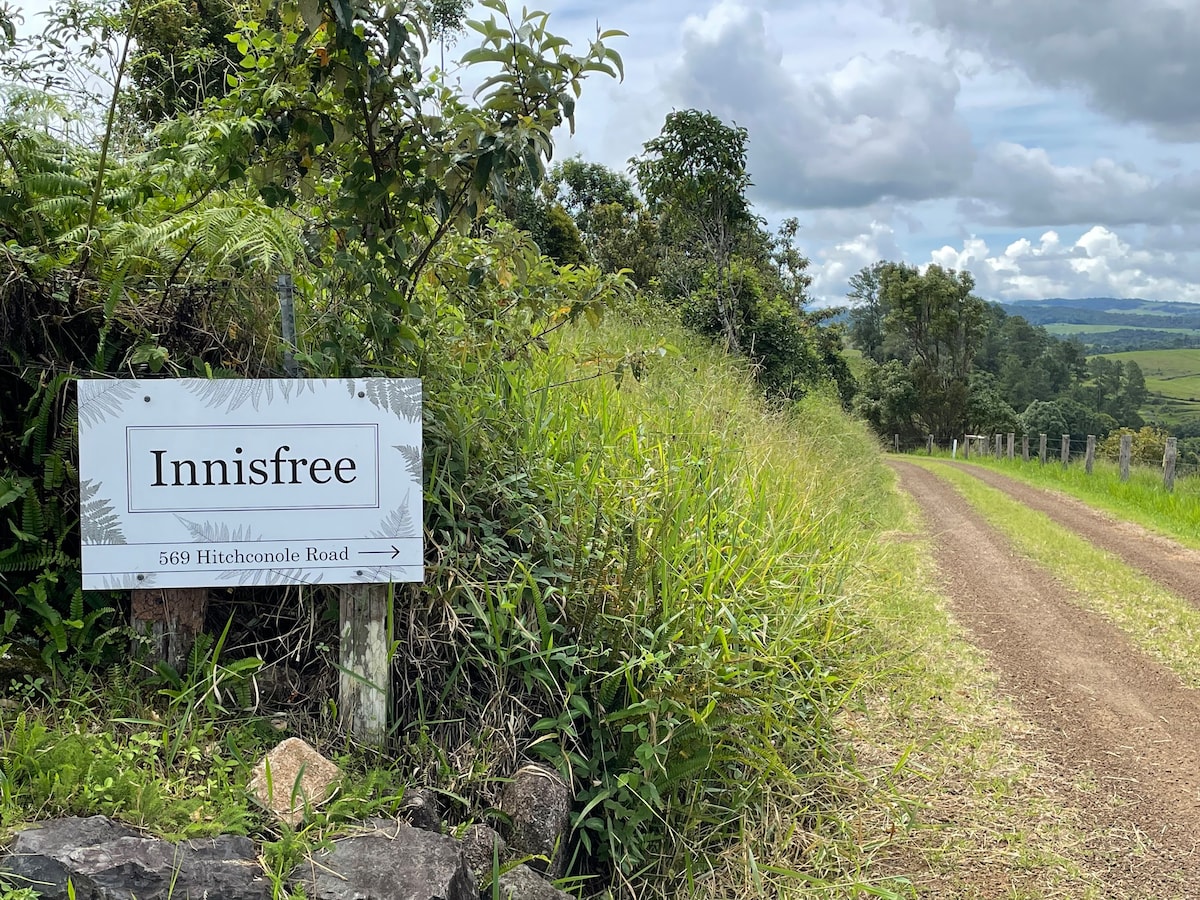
point(1121, 728)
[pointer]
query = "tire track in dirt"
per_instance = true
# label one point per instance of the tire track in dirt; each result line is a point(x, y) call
point(1122, 730)
point(1172, 565)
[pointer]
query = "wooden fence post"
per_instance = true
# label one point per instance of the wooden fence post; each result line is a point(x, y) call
point(1169, 458)
point(896, 442)
point(999, 451)
point(171, 618)
point(365, 677)
point(1042, 449)
point(1011, 444)
point(930, 445)
point(966, 446)
point(1126, 455)
point(1066, 449)
point(1025, 448)
point(1089, 461)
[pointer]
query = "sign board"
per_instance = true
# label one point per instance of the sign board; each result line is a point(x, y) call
point(197, 483)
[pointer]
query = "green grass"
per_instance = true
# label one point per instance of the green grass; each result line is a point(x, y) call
point(728, 532)
point(722, 640)
point(955, 798)
point(676, 639)
point(1160, 623)
point(1142, 499)
point(1173, 381)
point(1068, 328)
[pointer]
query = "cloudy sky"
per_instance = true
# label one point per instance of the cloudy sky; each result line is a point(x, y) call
point(1051, 147)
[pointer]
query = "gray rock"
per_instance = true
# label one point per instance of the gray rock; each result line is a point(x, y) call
point(420, 809)
point(478, 843)
point(538, 803)
point(104, 860)
point(522, 883)
point(393, 862)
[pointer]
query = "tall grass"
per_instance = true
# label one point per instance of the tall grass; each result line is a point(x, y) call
point(1142, 499)
point(712, 540)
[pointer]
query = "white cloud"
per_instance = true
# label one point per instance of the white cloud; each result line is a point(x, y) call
point(1136, 60)
point(869, 129)
point(1099, 263)
point(1022, 186)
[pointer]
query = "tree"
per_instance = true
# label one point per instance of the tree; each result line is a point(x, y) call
point(693, 177)
point(888, 399)
point(184, 57)
point(934, 323)
point(987, 410)
point(582, 187)
point(1065, 416)
point(1147, 447)
point(617, 229)
point(866, 311)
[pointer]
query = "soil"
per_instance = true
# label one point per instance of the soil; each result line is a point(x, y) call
point(1121, 729)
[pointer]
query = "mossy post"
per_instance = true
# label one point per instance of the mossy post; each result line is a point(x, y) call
point(1042, 449)
point(171, 618)
point(1169, 458)
point(1126, 455)
point(1066, 449)
point(364, 696)
point(1089, 461)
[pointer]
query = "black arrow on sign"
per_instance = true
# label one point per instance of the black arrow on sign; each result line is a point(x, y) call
point(395, 552)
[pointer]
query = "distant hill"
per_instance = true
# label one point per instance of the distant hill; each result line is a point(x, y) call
point(1113, 324)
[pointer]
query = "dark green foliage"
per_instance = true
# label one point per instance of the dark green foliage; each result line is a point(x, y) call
point(972, 366)
point(887, 399)
point(1065, 416)
point(183, 58)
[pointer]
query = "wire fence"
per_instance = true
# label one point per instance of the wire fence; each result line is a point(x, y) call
point(1047, 450)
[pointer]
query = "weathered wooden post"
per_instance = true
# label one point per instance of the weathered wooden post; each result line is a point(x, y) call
point(171, 618)
point(896, 442)
point(1126, 455)
point(966, 446)
point(1042, 449)
point(285, 287)
point(1025, 448)
point(1012, 439)
point(364, 696)
point(1089, 461)
point(930, 440)
point(999, 451)
point(1169, 458)
point(1066, 449)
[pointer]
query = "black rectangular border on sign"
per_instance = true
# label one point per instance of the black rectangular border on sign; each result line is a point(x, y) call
point(374, 426)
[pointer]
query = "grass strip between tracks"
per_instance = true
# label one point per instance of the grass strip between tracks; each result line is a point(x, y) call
point(960, 801)
point(1164, 626)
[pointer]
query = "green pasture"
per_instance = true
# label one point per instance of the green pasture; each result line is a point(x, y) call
point(1072, 328)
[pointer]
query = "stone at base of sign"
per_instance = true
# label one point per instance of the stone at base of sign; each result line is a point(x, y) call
point(538, 803)
point(293, 779)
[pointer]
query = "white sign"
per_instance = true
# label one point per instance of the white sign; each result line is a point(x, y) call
point(196, 483)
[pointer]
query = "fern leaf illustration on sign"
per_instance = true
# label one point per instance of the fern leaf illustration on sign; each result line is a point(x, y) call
point(98, 522)
point(259, 577)
point(102, 400)
point(217, 532)
point(232, 394)
point(397, 524)
point(399, 396)
point(412, 460)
